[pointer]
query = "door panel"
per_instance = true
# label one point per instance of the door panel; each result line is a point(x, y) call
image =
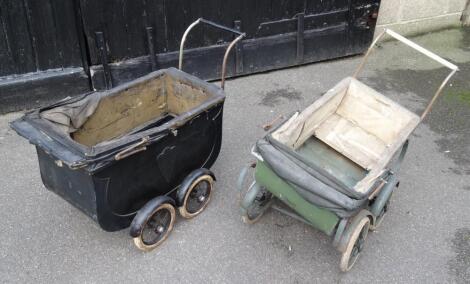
point(331, 29)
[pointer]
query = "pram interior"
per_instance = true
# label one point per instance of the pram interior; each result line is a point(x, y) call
point(355, 123)
point(147, 103)
point(318, 153)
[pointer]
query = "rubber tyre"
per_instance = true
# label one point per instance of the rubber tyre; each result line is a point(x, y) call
point(247, 218)
point(141, 244)
point(354, 248)
point(183, 209)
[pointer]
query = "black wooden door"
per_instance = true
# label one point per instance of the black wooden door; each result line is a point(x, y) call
point(37, 35)
point(57, 40)
point(40, 55)
point(280, 33)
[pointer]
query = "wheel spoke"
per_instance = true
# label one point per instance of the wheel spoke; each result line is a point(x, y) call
point(156, 227)
point(355, 252)
point(198, 196)
point(164, 218)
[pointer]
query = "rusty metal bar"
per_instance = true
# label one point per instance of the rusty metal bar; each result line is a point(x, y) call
point(229, 48)
point(420, 49)
point(183, 40)
point(437, 94)
point(366, 56)
point(224, 63)
point(238, 50)
point(220, 26)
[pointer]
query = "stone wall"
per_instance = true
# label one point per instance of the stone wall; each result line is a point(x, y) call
point(410, 17)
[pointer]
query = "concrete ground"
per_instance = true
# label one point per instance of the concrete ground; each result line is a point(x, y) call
point(425, 238)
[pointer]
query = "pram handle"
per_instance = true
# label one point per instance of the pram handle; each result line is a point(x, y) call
point(229, 48)
point(420, 49)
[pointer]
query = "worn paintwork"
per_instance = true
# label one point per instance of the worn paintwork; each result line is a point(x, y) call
point(320, 154)
point(321, 219)
point(111, 190)
point(111, 43)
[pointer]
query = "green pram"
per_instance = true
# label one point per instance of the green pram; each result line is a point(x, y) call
point(335, 164)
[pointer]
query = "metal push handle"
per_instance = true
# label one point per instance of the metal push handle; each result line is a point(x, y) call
point(418, 48)
point(227, 52)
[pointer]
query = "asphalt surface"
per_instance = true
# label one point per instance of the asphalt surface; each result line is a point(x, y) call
point(425, 238)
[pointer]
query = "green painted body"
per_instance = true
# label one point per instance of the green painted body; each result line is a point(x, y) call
point(322, 219)
point(318, 153)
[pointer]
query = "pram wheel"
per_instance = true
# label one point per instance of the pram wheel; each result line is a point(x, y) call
point(254, 203)
point(156, 227)
point(355, 244)
point(197, 194)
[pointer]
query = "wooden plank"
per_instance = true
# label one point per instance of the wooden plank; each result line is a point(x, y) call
point(43, 88)
point(43, 33)
point(66, 33)
point(314, 7)
point(177, 15)
point(81, 37)
point(260, 55)
point(92, 16)
point(316, 21)
point(238, 50)
point(196, 10)
point(326, 43)
point(253, 14)
point(301, 128)
point(170, 19)
point(374, 112)
point(300, 37)
point(101, 46)
point(121, 21)
point(379, 167)
point(350, 140)
point(154, 16)
point(6, 56)
point(331, 30)
point(212, 10)
point(151, 48)
point(115, 29)
point(136, 44)
point(287, 9)
point(15, 26)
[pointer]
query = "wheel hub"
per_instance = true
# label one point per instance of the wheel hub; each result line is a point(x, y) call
point(159, 229)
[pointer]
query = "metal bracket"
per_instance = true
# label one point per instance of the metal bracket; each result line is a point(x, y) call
point(101, 45)
point(138, 147)
point(151, 48)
